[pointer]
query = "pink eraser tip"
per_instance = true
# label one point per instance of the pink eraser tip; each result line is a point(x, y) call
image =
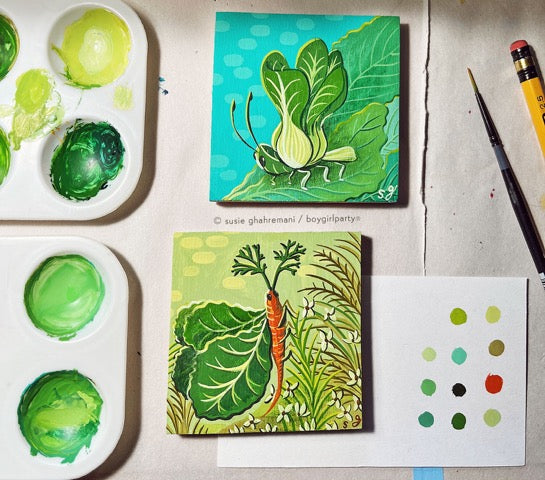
point(518, 44)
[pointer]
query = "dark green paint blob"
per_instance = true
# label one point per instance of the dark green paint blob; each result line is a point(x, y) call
point(5, 155)
point(458, 421)
point(59, 414)
point(9, 45)
point(90, 155)
point(496, 348)
point(428, 387)
point(426, 419)
point(63, 295)
point(458, 316)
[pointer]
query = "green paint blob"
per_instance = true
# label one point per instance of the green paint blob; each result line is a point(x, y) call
point(426, 419)
point(459, 356)
point(38, 108)
point(95, 49)
point(496, 348)
point(5, 156)
point(89, 156)
point(492, 417)
point(493, 314)
point(123, 98)
point(428, 387)
point(458, 421)
point(458, 316)
point(9, 45)
point(63, 295)
point(429, 354)
point(59, 414)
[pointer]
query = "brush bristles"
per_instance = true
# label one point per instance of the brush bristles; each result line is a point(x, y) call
point(475, 89)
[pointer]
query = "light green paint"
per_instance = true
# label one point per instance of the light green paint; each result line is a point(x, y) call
point(95, 49)
point(5, 156)
point(38, 108)
point(458, 316)
point(123, 98)
point(428, 387)
point(429, 354)
point(493, 314)
point(492, 417)
point(63, 295)
point(59, 414)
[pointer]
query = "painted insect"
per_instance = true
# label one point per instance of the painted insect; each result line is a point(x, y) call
point(304, 97)
point(228, 351)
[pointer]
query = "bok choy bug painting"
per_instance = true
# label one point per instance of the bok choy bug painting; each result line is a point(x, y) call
point(265, 333)
point(305, 108)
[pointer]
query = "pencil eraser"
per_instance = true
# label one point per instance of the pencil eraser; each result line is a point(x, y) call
point(518, 44)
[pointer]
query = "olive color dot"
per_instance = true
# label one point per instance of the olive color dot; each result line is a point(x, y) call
point(496, 348)
point(458, 316)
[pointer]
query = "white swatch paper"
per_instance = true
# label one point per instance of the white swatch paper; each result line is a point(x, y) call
point(409, 316)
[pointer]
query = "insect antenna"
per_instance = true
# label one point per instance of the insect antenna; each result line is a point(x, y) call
point(248, 124)
point(233, 107)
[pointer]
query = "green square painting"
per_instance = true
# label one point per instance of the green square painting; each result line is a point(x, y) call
point(305, 108)
point(265, 333)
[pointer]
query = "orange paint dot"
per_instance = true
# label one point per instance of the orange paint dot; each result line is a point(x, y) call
point(493, 383)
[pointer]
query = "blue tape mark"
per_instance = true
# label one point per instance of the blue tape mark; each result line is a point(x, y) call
point(426, 473)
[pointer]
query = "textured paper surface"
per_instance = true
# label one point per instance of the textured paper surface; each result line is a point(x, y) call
point(409, 316)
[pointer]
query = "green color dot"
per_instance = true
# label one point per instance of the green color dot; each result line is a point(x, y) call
point(5, 156)
point(429, 354)
point(459, 356)
point(428, 387)
point(63, 295)
point(458, 316)
point(426, 419)
point(9, 45)
point(493, 314)
point(496, 348)
point(59, 413)
point(458, 421)
point(492, 417)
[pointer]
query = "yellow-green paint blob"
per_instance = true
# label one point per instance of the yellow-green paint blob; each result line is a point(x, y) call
point(217, 241)
point(458, 316)
point(123, 98)
point(5, 156)
point(95, 49)
point(492, 417)
point(191, 271)
point(204, 258)
point(493, 314)
point(38, 108)
point(176, 296)
point(429, 354)
point(191, 243)
point(233, 283)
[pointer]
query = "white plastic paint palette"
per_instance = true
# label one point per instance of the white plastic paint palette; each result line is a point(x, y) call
point(27, 192)
point(98, 352)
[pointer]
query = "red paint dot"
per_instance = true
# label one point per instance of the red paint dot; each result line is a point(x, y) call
point(493, 383)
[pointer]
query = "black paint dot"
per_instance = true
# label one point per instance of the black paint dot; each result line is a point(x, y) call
point(459, 390)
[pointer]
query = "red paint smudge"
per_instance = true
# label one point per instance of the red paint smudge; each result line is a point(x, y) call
point(493, 383)
point(492, 193)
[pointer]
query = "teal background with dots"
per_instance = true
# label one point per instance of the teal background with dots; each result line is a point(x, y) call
point(242, 40)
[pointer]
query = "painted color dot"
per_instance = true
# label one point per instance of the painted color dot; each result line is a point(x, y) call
point(493, 383)
point(243, 73)
point(247, 44)
point(496, 348)
point(459, 356)
point(305, 24)
point(288, 38)
point(222, 26)
point(458, 421)
point(428, 387)
point(260, 30)
point(218, 79)
point(233, 60)
point(458, 390)
point(458, 316)
point(219, 161)
point(229, 175)
point(429, 354)
point(426, 419)
point(493, 314)
point(492, 417)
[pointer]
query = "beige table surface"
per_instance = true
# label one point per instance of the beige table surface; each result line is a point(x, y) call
point(454, 217)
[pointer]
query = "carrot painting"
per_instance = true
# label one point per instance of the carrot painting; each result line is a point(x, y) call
point(265, 333)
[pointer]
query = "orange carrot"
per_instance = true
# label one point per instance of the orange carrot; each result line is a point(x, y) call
point(277, 326)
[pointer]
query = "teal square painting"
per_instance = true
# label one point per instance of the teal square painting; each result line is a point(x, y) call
point(305, 108)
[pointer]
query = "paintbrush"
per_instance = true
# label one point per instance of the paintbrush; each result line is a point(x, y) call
point(515, 194)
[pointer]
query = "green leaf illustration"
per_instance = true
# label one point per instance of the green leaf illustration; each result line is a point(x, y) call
point(364, 131)
point(232, 373)
point(391, 129)
point(183, 370)
point(371, 58)
point(200, 323)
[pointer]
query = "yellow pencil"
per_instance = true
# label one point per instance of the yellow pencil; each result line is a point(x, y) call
point(531, 86)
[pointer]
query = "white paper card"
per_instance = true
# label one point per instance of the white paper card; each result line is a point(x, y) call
point(448, 382)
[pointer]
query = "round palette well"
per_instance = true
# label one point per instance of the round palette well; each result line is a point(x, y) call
point(92, 361)
point(84, 64)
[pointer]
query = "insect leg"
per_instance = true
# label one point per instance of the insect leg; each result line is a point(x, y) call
point(326, 171)
point(305, 178)
point(290, 175)
point(341, 171)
